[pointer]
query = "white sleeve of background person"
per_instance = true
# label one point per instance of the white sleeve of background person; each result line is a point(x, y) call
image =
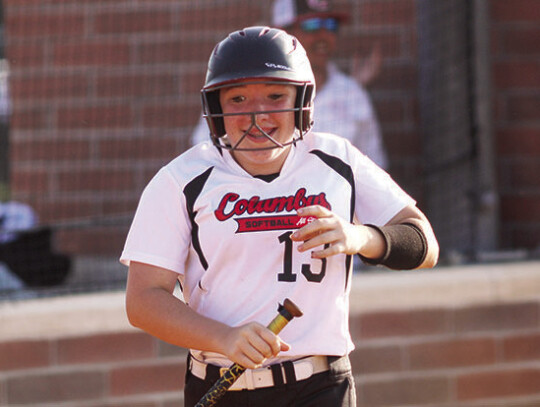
point(344, 108)
point(200, 132)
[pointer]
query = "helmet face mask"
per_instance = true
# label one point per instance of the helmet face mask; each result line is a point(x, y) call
point(258, 55)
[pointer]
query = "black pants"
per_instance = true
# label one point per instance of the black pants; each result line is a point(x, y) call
point(333, 388)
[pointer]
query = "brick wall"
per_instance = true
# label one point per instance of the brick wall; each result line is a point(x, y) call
point(105, 92)
point(515, 36)
point(458, 337)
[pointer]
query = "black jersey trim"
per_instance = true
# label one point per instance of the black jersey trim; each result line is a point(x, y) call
point(192, 191)
point(345, 170)
point(267, 177)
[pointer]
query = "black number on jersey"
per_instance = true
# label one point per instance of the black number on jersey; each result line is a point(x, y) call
point(288, 275)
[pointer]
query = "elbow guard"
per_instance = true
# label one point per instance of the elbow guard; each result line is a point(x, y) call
point(406, 247)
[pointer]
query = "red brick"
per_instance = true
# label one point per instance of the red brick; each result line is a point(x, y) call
point(523, 108)
point(51, 150)
point(101, 116)
point(55, 387)
point(515, 10)
point(167, 376)
point(179, 50)
point(391, 111)
point(94, 241)
point(170, 115)
point(501, 317)
point(26, 4)
point(405, 392)
point(526, 348)
point(102, 179)
point(452, 353)
point(512, 402)
point(29, 119)
point(402, 143)
point(177, 402)
point(49, 87)
point(506, 383)
point(516, 74)
point(129, 403)
point(133, 21)
point(518, 141)
point(191, 83)
point(401, 12)
point(405, 169)
point(45, 25)
point(137, 148)
point(403, 77)
point(522, 41)
point(119, 206)
point(60, 209)
point(221, 17)
point(34, 181)
point(386, 324)
point(523, 173)
point(25, 54)
point(376, 359)
point(519, 208)
point(361, 45)
point(166, 350)
point(88, 54)
point(523, 236)
point(105, 348)
point(23, 354)
point(142, 85)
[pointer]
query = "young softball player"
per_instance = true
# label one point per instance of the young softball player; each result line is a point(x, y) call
point(265, 210)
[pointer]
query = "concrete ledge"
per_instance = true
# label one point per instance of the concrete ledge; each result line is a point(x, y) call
point(63, 316)
point(447, 286)
point(443, 287)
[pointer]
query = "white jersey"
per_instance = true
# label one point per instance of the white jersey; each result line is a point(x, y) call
point(226, 234)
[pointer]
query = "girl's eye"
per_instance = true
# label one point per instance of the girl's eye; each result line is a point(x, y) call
point(238, 99)
point(275, 96)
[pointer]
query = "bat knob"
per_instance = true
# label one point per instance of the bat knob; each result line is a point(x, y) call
point(292, 308)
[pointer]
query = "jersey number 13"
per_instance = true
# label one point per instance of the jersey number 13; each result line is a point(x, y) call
point(287, 275)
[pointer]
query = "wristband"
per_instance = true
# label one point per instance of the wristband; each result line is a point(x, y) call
point(406, 247)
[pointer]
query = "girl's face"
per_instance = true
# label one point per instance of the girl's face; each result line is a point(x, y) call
point(242, 130)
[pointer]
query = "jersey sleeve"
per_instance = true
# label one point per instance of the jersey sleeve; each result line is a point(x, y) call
point(160, 231)
point(378, 197)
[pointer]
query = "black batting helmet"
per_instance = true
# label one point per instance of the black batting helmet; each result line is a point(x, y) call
point(264, 53)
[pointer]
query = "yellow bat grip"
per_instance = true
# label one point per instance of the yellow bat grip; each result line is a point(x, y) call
point(278, 323)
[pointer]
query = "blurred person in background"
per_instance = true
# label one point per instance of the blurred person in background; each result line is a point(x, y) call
point(27, 256)
point(343, 105)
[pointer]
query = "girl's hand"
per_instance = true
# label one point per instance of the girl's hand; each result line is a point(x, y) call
point(341, 235)
point(251, 344)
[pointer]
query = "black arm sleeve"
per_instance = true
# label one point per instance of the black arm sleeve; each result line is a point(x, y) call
point(406, 247)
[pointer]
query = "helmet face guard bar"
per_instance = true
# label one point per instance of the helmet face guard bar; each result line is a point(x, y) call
point(214, 117)
point(223, 140)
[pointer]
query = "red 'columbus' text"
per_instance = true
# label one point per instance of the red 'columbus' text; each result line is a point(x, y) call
point(231, 205)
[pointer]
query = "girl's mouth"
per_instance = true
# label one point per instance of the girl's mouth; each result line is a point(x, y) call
point(259, 137)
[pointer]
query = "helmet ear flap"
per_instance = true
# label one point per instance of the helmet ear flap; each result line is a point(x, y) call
point(303, 118)
point(212, 107)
